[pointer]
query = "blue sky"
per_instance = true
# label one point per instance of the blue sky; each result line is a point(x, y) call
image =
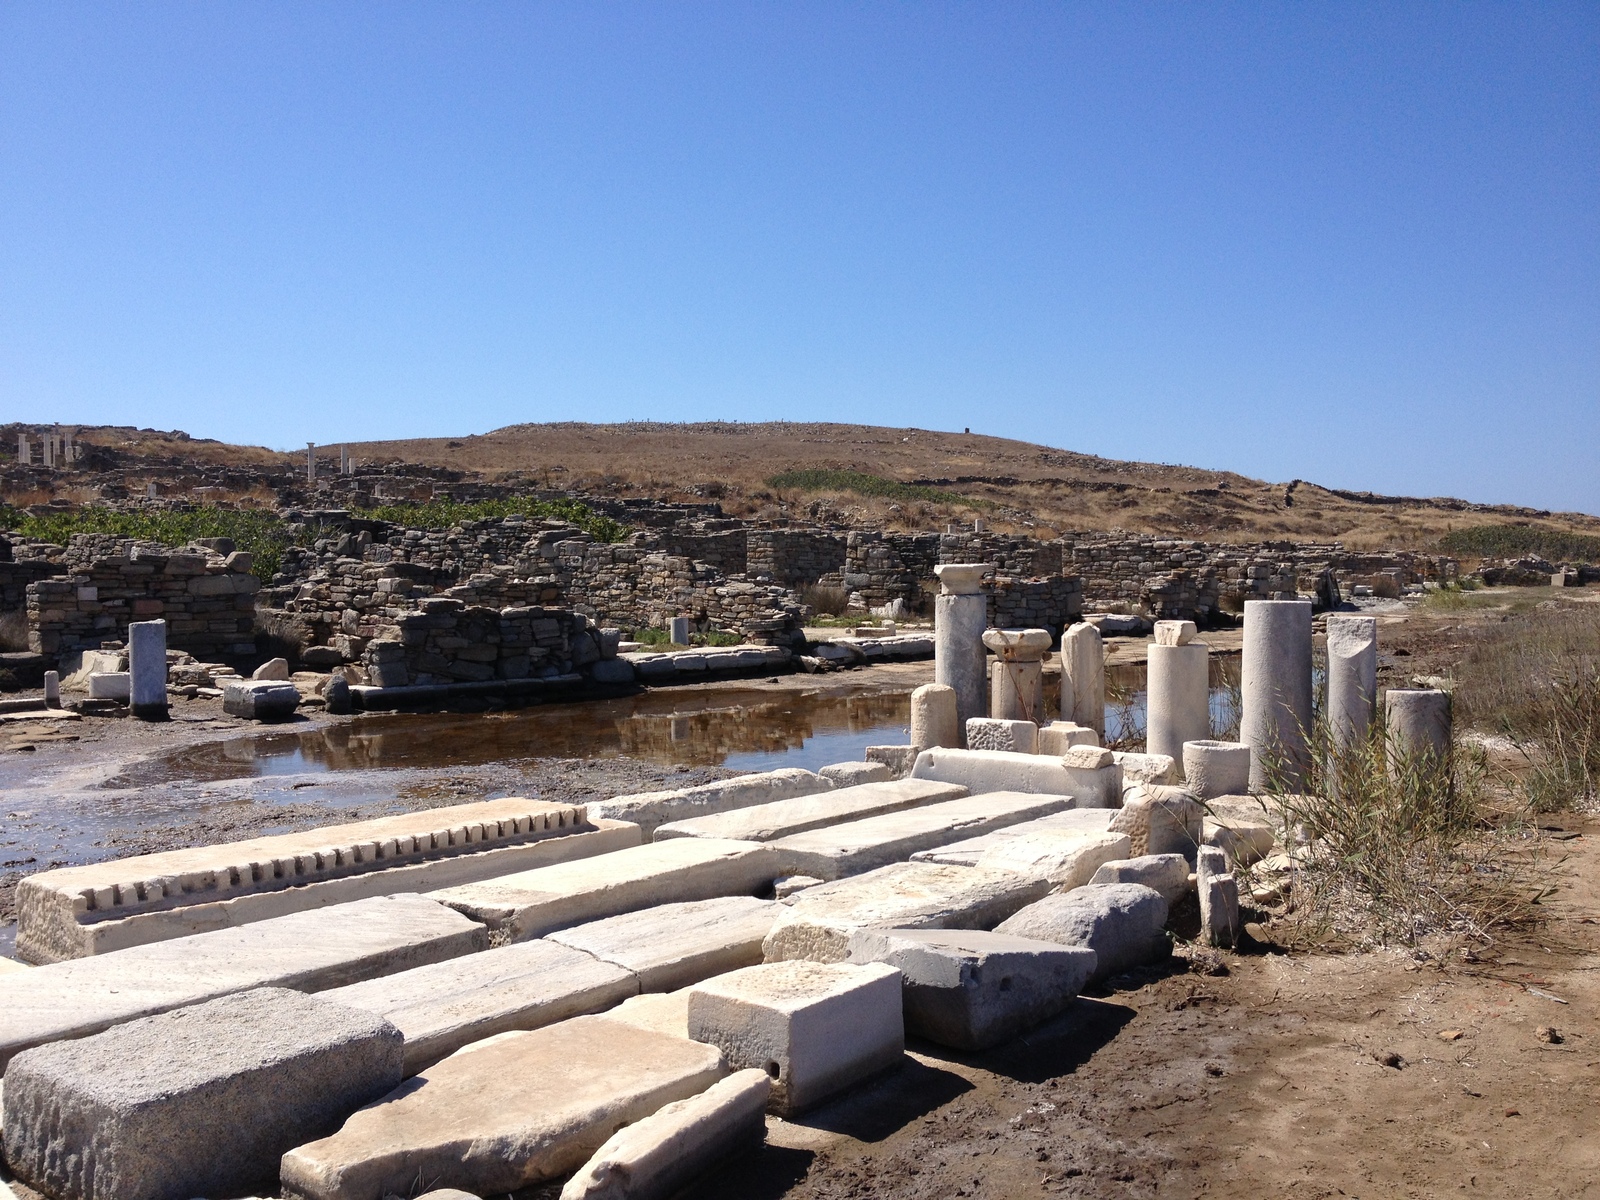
point(1352, 243)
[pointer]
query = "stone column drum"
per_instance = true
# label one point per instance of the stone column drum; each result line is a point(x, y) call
point(1352, 677)
point(1083, 677)
point(960, 615)
point(1418, 722)
point(1276, 687)
point(1016, 677)
point(1179, 706)
point(147, 670)
point(933, 717)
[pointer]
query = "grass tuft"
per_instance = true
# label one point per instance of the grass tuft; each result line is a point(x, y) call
point(443, 514)
point(862, 484)
point(1516, 541)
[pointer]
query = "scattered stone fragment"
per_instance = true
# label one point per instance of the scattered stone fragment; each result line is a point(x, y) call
point(1067, 858)
point(1057, 736)
point(1166, 873)
point(988, 733)
point(852, 774)
point(199, 1102)
point(1160, 820)
point(814, 1028)
point(504, 1113)
point(1549, 1035)
point(1121, 922)
point(261, 700)
point(656, 1158)
point(1145, 768)
point(1450, 1035)
point(972, 989)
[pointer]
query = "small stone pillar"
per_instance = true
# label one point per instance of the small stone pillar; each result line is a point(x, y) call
point(147, 670)
point(1219, 897)
point(24, 451)
point(1352, 677)
point(1212, 768)
point(678, 630)
point(1016, 677)
point(1179, 690)
point(933, 717)
point(1276, 686)
point(960, 615)
point(311, 462)
point(1418, 723)
point(1083, 677)
point(52, 689)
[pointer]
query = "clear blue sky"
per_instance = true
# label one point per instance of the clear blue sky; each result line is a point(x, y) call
point(1353, 243)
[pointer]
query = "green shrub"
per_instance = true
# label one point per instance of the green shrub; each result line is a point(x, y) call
point(442, 514)
point(1515, 541)
point(263, 534)
point(862, 484)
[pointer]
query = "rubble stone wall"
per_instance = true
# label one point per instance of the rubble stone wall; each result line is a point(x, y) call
point(450, 641)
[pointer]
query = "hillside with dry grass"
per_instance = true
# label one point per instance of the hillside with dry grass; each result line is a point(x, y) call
point(888, 478)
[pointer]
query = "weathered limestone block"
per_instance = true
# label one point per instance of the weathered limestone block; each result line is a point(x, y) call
point(1016, 679)
point(110, 685)
point(664, 1012)
point(656, 1158)
point(821, 919)
point(1242, 827)
point(1121, 922)
point(814, 1028)
point(853, 774)
point(1275, 686)
point(933, 716)
point(989, 733)
point(1352, 677)
point(1067, 859)
point(444, 1006)
point(650, 809)
point(1145, 768)
point(766, 822)
point(504, 1113)
point(1212, 768)
point(672, 945)
point(973, 989)
point(260, 700)
point(92, 909)
point(1160, 820)
point(1418, 730)
point(982, 771)
point(147, 669)
point(858, 846)
point(308, 951)
point(1165, 873)
point(1175, 633)
point(1059, 736)
point(898, 759)
point(1219, 898)
point(273, 668)
point(1080, 822)
point(531, 903)
point(202, 1101)
point(1179, 704)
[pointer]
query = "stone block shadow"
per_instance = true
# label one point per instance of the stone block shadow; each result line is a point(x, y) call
point(1058, 1047)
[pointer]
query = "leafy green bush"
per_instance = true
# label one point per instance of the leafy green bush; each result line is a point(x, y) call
point(862, 484)
point(263, 534)
point(442, 514)
point(1514, 541)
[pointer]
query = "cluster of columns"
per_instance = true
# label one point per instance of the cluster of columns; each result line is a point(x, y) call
point(347, 462)
point(57, 449)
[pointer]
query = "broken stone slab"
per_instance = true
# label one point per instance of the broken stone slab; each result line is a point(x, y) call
point(898, 759)
point(813, 1028)
point(1145, 768)
point(972, 989)
point(767, 822)
point(1121, 922)
point(308, 952)
point(445, 1006)
point(989, 733)
point(260, 699)
point(663, 1012)
point(787, 885)
point(1059, 736)
point(203, 1101)
point(656, 1158)
point(856, 846)
point(532, 903)
point(504, 1113)
point(853, 774)
point(1078, 821)
point(820, 920)
point(110, 685)
point(672, 945)
point(1165, 873)
point(982, 771)
point(92, 909)
point(1175, 633)
point(650, 809)
point(273, 668)
point(1160, 820)
point(1219, 898)
point(1067, 859)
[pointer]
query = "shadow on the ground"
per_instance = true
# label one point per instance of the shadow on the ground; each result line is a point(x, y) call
point(1058, 1047)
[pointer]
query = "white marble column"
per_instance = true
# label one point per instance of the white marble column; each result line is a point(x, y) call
point(1083, 677)
point(1276, 687)
point(960, 615)
point(1178, 708)
point(1418, 728)
point(1352, 676)
point(1016, 677)
point(933, 717)
point(147, 669)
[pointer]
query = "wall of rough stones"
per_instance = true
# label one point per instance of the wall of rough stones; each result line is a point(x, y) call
point(795, 557)
point(449, 641)
point(207, 601)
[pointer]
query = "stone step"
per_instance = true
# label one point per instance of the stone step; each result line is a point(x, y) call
point(967, 852)
point(1003, 771)
point(780, 818)
point(858, 846)
point(203, 1101)
point(445, 1006)
point(504, 1113)
point(672, 945)
point(75, 911)
point(308, 952)
point(532, 903)
point(651, 809)
point(820, 920)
